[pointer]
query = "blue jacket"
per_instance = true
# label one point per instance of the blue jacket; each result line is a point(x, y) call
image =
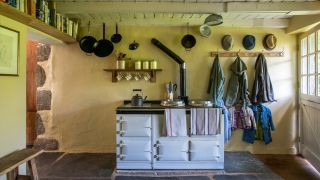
point(266, 125)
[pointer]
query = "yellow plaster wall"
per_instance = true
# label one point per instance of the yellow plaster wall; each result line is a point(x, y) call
point(13, 99)
point(85, 99)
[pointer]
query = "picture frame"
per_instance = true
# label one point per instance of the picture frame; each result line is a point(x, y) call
point(9, 51)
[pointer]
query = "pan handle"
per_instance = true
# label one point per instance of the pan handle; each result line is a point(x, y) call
point(89, 27)
point(116, 28)
point(104, 30)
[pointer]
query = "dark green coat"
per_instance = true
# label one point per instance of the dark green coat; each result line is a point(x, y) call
point(237, 91)
point(262, 90)
point(216, 83)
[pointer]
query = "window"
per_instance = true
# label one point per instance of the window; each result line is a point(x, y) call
point(310, 64)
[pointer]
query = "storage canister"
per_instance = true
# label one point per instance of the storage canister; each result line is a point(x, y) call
point(137, 65)
point(145, 65)
point(121, 64)
point(153, 64)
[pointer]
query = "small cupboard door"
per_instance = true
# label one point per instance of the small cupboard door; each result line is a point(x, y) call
point(134, 149)
point(134, 125)
point(205, 151)
point(171, 150)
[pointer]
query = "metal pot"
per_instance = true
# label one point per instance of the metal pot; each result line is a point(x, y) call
point(188, 40)
point(134, 45)
point(137, 99)
point(115, 38)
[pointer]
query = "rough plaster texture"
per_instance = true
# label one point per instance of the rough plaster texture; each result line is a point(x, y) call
point(85, 99)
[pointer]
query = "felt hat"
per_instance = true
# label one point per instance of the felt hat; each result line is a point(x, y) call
point(227, 42)
point(269, 42)
point(248, 42)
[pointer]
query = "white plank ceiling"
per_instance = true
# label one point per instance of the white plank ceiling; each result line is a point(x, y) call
point(240, 13)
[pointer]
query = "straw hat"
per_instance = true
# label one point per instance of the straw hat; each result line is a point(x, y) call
point(269, 42)
point(227, 42)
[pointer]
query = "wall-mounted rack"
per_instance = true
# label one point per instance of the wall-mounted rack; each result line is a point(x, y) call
point(146, 74)
point(247, 53)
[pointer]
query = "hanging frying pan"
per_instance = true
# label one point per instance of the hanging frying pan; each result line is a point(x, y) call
point(115, 38)
point(103, 47)
point(86, 43)
point(188, 41)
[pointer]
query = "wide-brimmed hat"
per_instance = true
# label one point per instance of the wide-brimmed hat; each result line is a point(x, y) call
point(227, 42)
point(269, 42)
point(249, 42)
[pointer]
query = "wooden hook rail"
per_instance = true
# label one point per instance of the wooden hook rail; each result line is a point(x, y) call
point(247, 54)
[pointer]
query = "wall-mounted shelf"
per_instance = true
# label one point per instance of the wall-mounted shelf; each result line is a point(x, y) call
point(116, 72)
point(14, 14)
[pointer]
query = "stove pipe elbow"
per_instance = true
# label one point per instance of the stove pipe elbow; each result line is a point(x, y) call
point(181, 63)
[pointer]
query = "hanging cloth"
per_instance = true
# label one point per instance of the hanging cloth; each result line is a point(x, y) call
point(216, 83)
point(262, 90)
point(237, 91)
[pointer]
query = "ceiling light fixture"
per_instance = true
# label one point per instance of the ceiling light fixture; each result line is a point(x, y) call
point(213, 20)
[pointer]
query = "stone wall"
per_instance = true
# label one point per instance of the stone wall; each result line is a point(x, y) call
point(45, 139)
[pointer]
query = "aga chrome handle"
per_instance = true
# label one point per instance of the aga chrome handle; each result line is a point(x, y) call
point(157, 146)
point(157, 157)
point(121, 145)
point(121, 156)
point(121, 133)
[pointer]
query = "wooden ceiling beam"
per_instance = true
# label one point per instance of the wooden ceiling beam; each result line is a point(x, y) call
point(75, 7)
point(289, 7)
point(138, 7)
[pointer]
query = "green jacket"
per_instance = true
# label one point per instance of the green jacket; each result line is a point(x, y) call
point(216, 83)
point(237, 91)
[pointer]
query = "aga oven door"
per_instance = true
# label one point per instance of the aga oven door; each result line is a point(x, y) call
point(133, 125)
point(205, 151)
point(134, 149)
point(171, 150)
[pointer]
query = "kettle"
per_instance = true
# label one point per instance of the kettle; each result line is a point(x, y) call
point(137, 99)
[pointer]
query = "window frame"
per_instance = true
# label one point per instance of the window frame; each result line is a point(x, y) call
point(316, 74)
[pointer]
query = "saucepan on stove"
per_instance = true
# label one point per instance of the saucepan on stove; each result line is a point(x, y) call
point(137, 99)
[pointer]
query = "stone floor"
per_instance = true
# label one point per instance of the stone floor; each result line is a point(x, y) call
point(238, 165)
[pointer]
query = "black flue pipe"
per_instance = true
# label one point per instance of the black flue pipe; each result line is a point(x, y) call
point(182, 65)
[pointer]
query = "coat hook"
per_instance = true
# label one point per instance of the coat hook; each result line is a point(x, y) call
point(238, 52)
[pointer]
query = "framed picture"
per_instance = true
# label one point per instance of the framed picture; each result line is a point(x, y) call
point(9, 52)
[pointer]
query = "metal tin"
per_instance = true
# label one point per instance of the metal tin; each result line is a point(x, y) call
point(153, 64)
point(145, 65)
point(121, 64)
point(137, 65)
